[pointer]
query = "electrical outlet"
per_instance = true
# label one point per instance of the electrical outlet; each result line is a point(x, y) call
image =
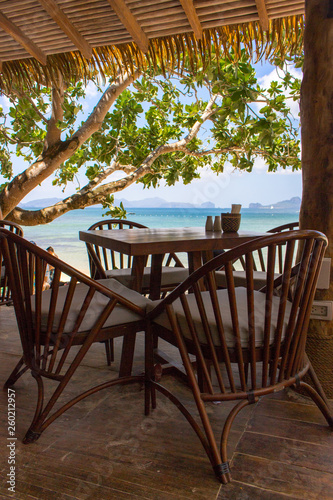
point(322, 309)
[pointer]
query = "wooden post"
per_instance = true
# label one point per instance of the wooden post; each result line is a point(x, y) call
point(317, 164)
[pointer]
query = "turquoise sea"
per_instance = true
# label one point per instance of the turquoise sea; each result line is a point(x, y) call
point(63, 233)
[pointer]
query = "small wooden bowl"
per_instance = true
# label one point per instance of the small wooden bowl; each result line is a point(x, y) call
point(230, 222)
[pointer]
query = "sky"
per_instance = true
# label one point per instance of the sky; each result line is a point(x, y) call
point(232, 186)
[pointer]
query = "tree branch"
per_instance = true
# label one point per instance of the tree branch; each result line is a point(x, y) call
point(23, 95)
point(92, 194)
point(54, 156)
point(14, 141)
point(114, 167)
point(95, 119)
point(53, 133)
point(209, 111)
point(84, 198)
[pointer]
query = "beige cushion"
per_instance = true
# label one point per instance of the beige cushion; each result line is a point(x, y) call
point(119, 315)
point(170, 276)
point(259, 279)
point(241, 299)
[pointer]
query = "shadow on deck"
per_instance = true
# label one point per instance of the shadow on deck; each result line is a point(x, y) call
point(105, 448)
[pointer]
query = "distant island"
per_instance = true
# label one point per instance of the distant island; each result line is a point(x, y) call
point(292, 204)
point(144, 203)
point(41, 203)
point(160, 203)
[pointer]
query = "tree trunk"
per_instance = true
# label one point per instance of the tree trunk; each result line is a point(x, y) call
point(317, 164)
point(56, 151)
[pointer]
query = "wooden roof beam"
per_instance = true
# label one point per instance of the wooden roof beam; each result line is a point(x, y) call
point(67, 27)
point(192, 17)
point(15, 32)
point(130, 23)
point(263, 15)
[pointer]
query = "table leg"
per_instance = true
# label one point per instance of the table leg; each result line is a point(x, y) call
point(207, 255)
point(137, 272)
point(194, 260)
point(156, 276)
point(127, 353)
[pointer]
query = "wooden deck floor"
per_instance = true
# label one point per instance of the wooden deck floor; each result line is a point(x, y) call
point(105, 448)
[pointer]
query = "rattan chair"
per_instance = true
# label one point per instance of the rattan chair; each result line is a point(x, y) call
point(259, 263)
point(52, 322)
point(5, 293)
point(246, 343)
point(105, 263)
point(290, 226)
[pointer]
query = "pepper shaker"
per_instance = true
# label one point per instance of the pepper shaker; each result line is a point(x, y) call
point(209, 223)
point(217, 223)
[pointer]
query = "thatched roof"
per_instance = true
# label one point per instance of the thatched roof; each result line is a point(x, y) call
point(38, 38)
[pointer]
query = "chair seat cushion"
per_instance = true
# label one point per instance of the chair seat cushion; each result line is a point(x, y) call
point(170, 276)
point(119, 315)
point(241, 300)
point(259, 279)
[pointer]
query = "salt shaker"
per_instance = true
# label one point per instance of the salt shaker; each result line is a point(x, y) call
point(209, 223)
point(217, 223)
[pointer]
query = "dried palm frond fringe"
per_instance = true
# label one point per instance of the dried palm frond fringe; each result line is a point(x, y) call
point(284, 37)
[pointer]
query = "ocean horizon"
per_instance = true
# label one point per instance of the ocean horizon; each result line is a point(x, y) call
point(63, 233)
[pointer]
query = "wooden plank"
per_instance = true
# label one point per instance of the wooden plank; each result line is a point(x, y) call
point(263, 16)
point(244, 491)
point(13, 30)
point(192, 17)
point(97, 453)
point(298, 482)
point(288, 451)
point(67, 27)
point(290, 410)
point(130, 23)
point(292, 429)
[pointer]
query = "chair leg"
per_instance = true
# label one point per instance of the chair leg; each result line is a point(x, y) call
point(42, 418)
point(318, 400)
point(202, 382)
point(34, 431)
point(150, 392)
point(316, 382)
point(127, 355)
point(155, 341)
point(109, 351)
point(224, 472)
point(16, 374)
point(246, 371)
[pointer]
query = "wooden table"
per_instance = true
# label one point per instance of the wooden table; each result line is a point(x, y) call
point(195, 241)
point(139, 243)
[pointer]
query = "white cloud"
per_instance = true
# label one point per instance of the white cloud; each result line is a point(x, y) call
point(92, 96)
point(274, 75)
point(91, 90)
point(260, 165)
point(287, 171)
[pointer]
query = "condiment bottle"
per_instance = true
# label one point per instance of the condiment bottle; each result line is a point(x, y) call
point(209, 223)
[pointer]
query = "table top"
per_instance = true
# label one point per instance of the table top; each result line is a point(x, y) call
point(164, 240)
